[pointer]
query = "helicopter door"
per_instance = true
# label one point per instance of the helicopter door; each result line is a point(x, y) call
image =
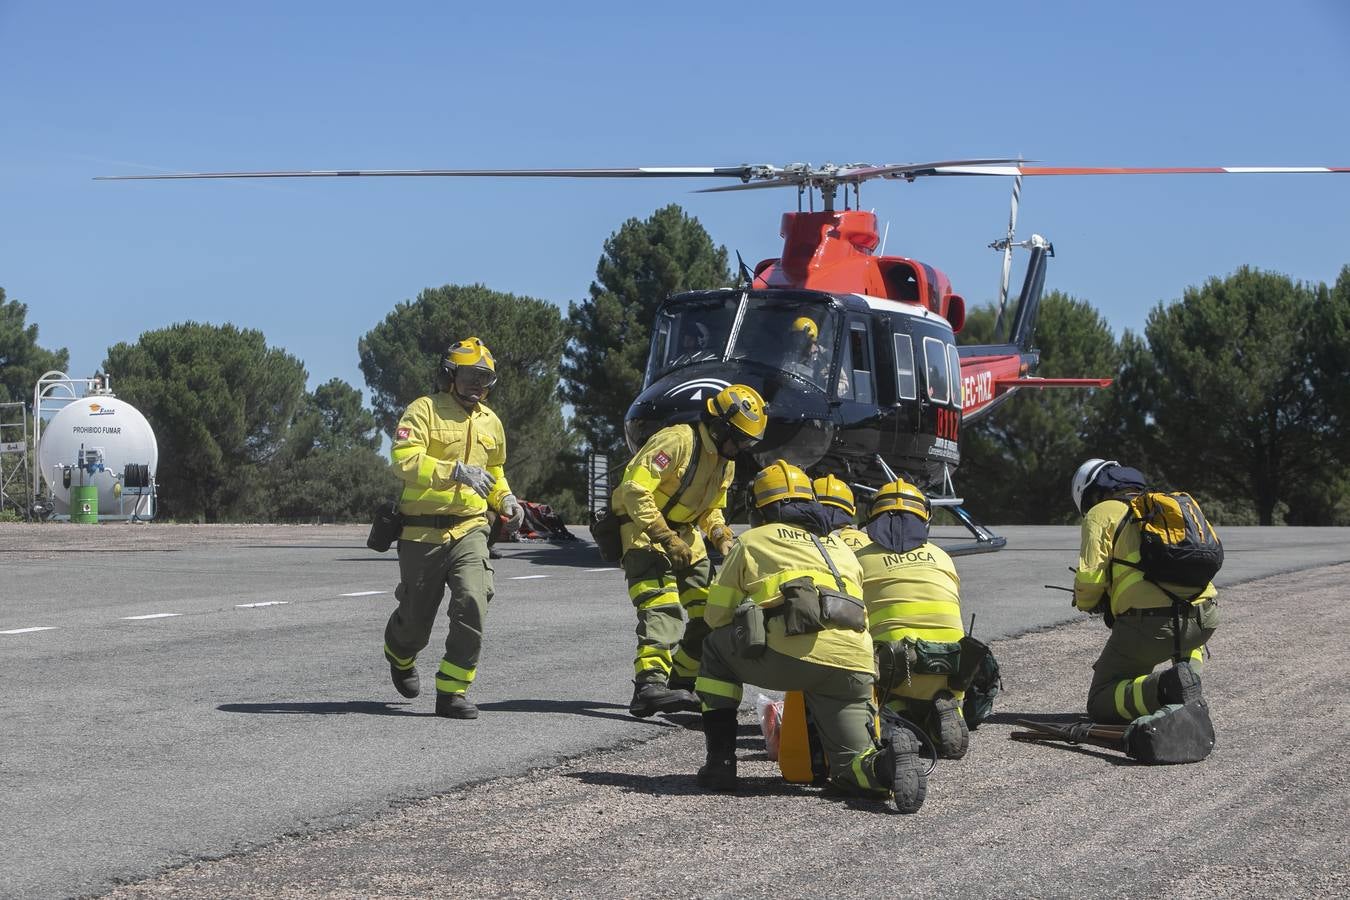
point(942, 411)
point(857, 393)
point(906, 388)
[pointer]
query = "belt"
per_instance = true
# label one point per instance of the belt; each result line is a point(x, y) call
point(1167, 610)
point(441, 522)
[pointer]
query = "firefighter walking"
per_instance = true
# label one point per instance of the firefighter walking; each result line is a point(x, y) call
point(787, 613)
point(449, 450)
point(672, 493)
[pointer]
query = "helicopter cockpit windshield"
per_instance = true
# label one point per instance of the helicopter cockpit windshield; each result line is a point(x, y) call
point(793, 335)
point(691, 331)
point(790, 334)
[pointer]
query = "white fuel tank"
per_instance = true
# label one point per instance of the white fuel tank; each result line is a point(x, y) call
point(96, 422)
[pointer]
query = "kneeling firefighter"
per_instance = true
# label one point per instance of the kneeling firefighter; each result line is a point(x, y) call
point(1150, 620)
point(674, 487)
point(786, 613)
point(913, 599)
point(836, 497)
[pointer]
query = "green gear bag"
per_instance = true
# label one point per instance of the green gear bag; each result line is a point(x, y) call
point(1174, 734)
point(980, 678)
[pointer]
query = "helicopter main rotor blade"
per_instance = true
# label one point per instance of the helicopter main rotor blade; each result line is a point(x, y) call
point(1005, 170)
point(743, 172)
point(903, 170)
point(756, 185)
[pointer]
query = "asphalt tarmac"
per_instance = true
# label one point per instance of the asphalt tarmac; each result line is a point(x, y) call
point(177, 694)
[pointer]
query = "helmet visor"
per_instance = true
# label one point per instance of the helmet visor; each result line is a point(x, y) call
point(470, 377)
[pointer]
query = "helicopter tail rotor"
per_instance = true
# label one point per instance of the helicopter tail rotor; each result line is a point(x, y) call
point(1006, 246)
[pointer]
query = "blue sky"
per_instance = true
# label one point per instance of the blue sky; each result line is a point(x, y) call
point(94, 88)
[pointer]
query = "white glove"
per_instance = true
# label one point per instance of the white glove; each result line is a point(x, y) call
point(476, 478)
point(514, 513)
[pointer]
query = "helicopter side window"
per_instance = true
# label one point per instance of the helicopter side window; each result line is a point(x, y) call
point(905, 381)
point(860, 380)
point(935, 363)
point(954, 360)
point(660, 348)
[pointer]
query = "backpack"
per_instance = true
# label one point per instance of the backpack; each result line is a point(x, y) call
point(979, 676)
point(1177, 544)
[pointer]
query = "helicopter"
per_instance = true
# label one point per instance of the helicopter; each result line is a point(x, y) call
point(853, 351)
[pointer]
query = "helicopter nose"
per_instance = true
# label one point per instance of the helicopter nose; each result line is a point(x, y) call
point(799, 427)
point(800, 441)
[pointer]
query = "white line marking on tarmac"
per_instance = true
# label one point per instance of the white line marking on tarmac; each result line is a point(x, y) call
point(526, 577)
point(28, 630)
point(363, 594)
point(602, 570)
point(153, 616)
point(263, 603)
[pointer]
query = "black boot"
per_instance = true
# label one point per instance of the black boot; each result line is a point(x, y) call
point(948, 728)
point(1179, 684)
point(681, 682)
point(650, 697)
point(455, 706)
point(901, 767)
point(718, 772)
point(406, 681)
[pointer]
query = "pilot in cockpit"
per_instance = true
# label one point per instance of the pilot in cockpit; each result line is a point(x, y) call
point(694, 339)
point(803, 356)
point(693, 345)
point(807, 359)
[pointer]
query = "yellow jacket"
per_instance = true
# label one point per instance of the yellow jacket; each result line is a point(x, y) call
point(435, 433)
point(1097, 574)
point(654, 475)
point(768, 555)
point(914, 594)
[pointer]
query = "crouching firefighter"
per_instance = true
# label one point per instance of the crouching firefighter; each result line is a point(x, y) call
point(786, 613)
point(673, 489)
point(449, 450)
point(1151, 619)
point(913, 599)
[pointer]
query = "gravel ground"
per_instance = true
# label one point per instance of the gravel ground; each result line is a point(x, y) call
point(1265, 816)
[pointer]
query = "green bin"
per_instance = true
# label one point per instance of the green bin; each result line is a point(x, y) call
point(84, 505)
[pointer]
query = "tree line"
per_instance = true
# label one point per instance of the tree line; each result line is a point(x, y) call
point(1236, 392)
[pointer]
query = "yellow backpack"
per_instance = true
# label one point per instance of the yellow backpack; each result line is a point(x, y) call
point(1177, 544)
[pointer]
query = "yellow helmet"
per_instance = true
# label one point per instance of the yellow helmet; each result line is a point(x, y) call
point(740, 407)
point(779, 481)
point(901, 496)
point(834, 492)
point(469, 353)
point(805, 325)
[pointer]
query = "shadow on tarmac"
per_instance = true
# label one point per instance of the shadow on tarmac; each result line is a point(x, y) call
point(325, 708)
point(563, 554)
point(1115, 759)
point(1058, 718)
point(592, 708)
point(683, 783)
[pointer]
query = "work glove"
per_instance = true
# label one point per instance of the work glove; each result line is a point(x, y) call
point(680, 554)
point(514, 513)
point(475, 478)
point(722, 538)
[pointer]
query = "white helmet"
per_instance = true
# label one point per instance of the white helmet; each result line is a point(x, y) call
point(1087, 473)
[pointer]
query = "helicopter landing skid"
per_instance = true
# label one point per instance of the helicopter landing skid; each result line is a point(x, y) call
point(985, 540)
